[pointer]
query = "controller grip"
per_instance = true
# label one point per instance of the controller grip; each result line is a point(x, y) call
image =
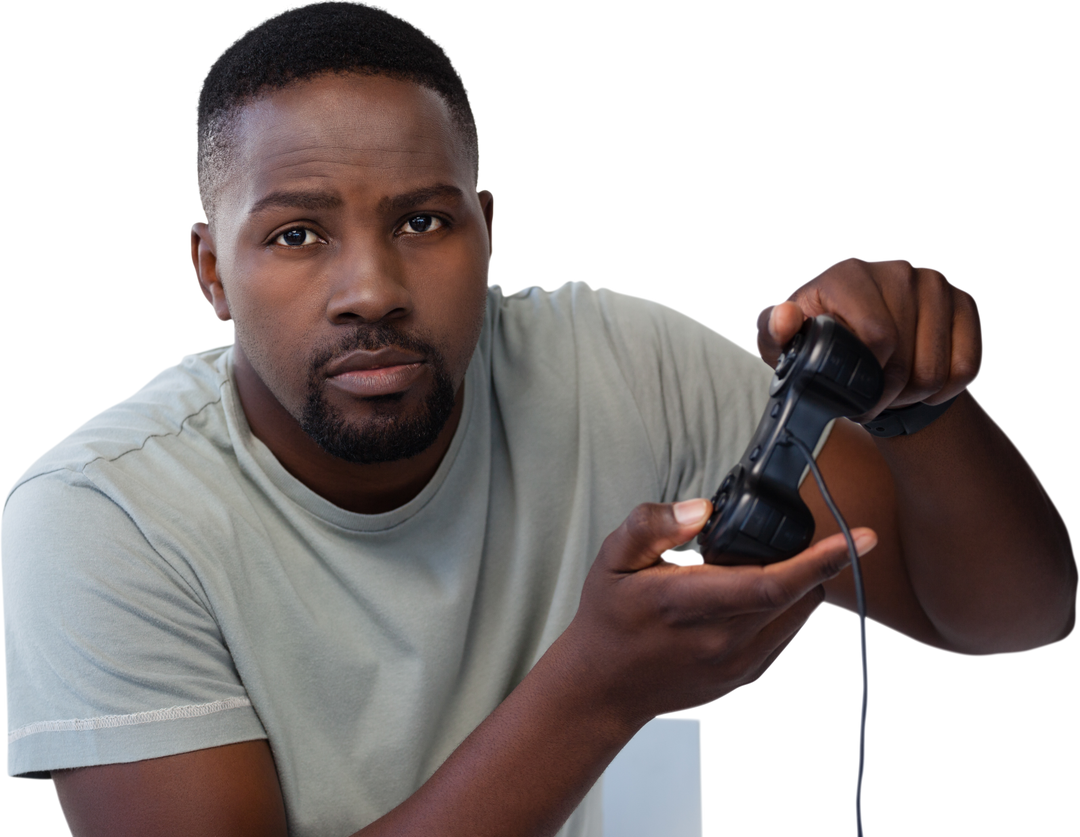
point(752, 525)
point(758, 516)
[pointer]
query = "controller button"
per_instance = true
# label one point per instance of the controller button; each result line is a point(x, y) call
point(775, 411)
point(838, 365)
point(755, 453)
point(790, 536)
point(787, 357)
point(761, 522)
point(866, 380)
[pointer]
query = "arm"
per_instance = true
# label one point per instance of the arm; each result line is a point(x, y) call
point(977, 560)
point(987, 553)
point(522, 772)
point(973, 556)
point(231, 791)
point(649, 637)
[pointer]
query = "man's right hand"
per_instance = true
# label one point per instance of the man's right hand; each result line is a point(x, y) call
point(663, 637)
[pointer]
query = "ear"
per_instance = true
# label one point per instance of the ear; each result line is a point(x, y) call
point(487, 203)
point(204, 257)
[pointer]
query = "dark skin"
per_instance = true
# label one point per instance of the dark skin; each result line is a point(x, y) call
point(950, 488)
point(355, 275)
point(970, 555)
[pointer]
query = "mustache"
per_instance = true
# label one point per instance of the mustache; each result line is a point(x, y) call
point(370, 337)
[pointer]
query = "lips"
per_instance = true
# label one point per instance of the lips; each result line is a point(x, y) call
point(386, 380)
point(368, 373)
point(362, 360)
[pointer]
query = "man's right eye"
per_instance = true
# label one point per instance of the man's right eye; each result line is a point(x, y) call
point(297, 237)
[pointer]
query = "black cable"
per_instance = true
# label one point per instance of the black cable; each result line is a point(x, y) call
point(860, 601)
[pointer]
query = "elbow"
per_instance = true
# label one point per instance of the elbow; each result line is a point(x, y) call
point(1040, 611)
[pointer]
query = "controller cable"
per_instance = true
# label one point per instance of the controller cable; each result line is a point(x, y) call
point(860, 600)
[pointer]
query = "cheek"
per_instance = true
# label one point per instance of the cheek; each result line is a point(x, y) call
point(471, 311)
point(273, 293)
point(273, 327)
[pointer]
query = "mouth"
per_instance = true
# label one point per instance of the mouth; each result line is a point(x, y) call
point(383, 380)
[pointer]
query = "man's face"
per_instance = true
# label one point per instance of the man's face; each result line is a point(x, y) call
point(352, 250)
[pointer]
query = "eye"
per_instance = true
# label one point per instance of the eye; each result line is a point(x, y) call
point(420, 224)
point(297, 237)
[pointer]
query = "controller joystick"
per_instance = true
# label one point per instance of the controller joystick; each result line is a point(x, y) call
point(758, 517)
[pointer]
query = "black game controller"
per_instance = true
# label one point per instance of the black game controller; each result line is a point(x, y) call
point(758, 516)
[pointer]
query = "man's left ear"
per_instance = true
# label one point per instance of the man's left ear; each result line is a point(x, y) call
point(487, 203)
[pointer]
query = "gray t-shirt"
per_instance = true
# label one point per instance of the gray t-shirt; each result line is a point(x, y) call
point(169, 586)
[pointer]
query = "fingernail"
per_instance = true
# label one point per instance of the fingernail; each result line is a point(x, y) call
point(864, 542)
point(690, 511)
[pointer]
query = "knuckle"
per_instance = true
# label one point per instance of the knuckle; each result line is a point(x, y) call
point(880, 336)
point(641, 522)
point(968, 363)
point(893, 274)
point(881, 331)
point(770, 593)
point(669, 609)
point(716, 648)
point(928, 375)
point(965, 369)
point(964, 300)
point(676, 604)
point(901, 270)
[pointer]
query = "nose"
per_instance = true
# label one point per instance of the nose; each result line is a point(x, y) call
point(367, 285)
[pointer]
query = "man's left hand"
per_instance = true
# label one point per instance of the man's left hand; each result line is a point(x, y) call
point(924, 332)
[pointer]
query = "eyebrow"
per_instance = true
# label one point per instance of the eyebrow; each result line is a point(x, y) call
point(315, 200)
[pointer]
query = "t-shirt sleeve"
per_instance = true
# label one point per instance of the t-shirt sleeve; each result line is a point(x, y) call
point(699, 395)
point(113, 655)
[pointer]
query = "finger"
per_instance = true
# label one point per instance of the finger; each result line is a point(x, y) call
point(775, 636)
point(788, 622)
point(787, 581)
point(784, 323)
point(879, 303)
point(777, 325)
point(724, 591)
point(651, 530)
point(966, 348)
point(932, 360)
point(783, 634)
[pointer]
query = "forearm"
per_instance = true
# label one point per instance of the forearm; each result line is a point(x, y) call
point(528, 765)
point(987, 554)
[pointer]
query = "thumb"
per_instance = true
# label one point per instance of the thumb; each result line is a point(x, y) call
point(776, 326)
point(651, 530)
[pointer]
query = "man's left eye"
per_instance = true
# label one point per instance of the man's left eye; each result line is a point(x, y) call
point(420, 224)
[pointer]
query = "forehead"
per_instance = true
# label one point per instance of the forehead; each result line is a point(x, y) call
point(345, 130)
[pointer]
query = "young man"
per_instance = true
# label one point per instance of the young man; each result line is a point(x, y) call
point(338, 577)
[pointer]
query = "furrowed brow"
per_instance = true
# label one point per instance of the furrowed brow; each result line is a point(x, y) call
point(314, 200)
point(409, 200)
point(296, 199)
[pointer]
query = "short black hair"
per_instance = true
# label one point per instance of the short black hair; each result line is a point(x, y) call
point(312, 41)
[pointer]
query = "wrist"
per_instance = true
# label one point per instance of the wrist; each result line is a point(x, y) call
point(596, 680)
point(906, 421)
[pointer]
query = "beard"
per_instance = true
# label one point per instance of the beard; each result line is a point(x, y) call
point(389, 435)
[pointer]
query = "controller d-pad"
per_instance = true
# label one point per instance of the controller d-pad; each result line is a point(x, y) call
point(787, 360)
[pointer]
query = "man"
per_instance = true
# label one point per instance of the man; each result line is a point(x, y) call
point(295, 577)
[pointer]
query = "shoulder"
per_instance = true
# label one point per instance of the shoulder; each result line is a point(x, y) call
point(172, 406)
point(576, 317)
